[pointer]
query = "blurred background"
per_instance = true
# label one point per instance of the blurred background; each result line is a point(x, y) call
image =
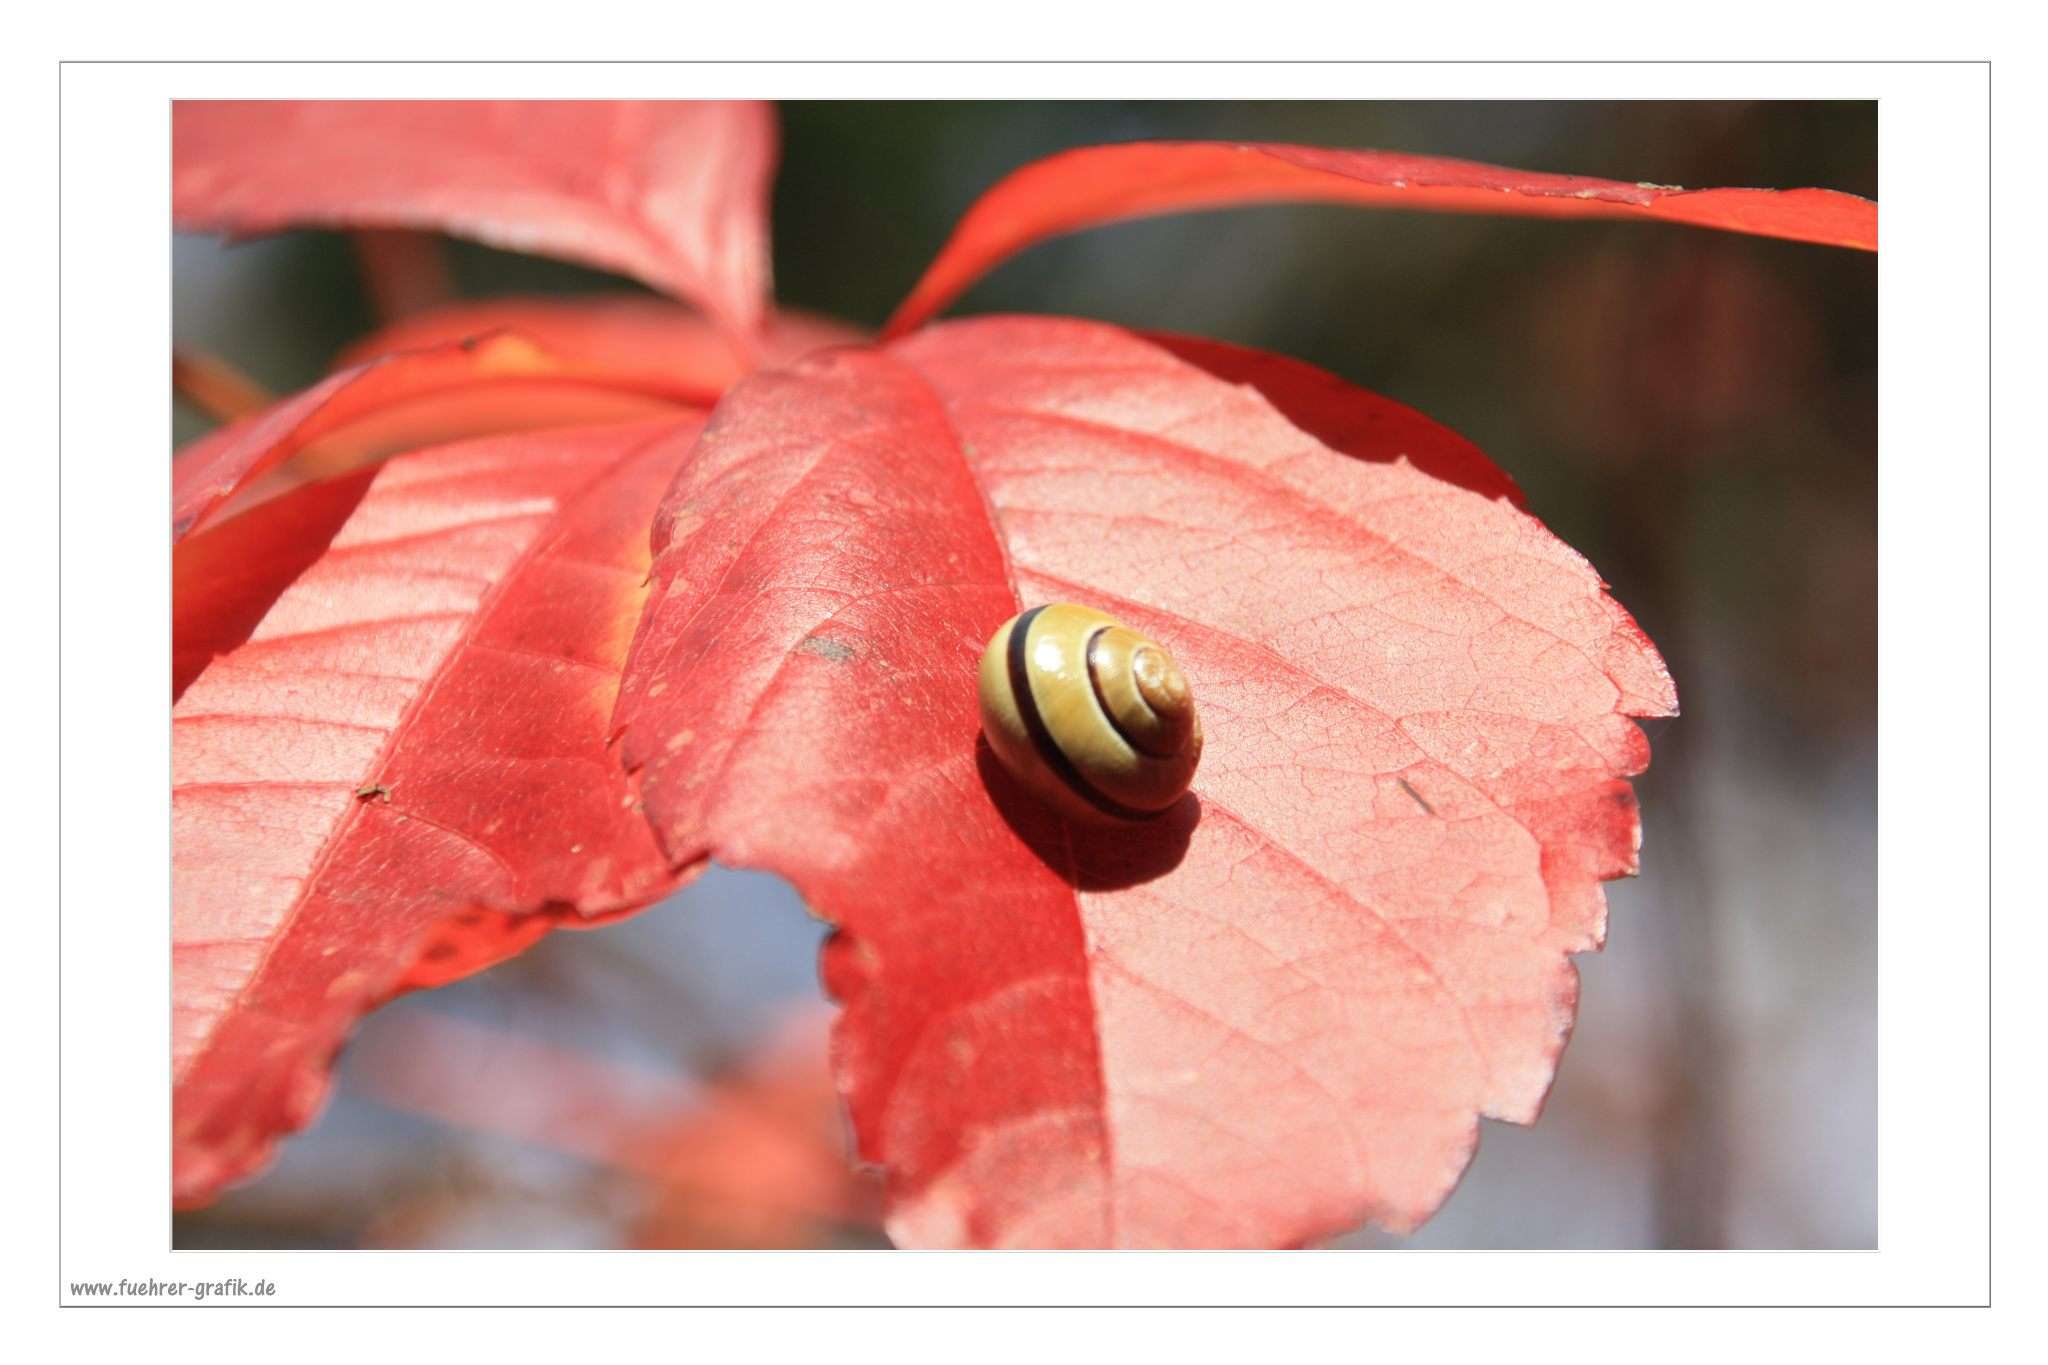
point(1695, 412)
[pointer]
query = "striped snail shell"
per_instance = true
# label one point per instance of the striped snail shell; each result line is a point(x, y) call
point(1093, 717)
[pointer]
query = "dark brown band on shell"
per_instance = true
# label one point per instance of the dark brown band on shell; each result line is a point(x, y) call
point(1041, 738)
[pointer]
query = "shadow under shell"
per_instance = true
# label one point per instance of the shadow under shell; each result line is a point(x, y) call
point(1090, 857)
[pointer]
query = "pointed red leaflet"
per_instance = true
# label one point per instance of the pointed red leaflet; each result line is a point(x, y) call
point(1091, 186)
point(397, 771)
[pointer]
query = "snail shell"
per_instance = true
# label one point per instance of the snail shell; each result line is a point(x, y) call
point(1093, 717)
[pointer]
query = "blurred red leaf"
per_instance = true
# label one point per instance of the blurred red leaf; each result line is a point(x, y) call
point(496, 1080)
point(397, 770)
point(1281, 1010)
point(408, 400)
point(763, 1161)
point(639, 342)
point(1091, 186)
point(674, 193)
point(754, 1157)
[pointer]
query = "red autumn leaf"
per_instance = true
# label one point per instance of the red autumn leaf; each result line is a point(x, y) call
point(644, 343)
point(755, 1157)
point(396, 771)
point(408, 400)
point(1280, 1010)
point(674, 193)
point(1091, 186)
point(763, 1162)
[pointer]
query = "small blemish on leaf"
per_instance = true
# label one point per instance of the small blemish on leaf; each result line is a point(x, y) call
point(836, 650)
point(348, 983)
point(1415, 795)
point(374, 791)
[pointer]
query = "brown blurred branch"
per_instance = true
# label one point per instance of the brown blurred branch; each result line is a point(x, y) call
point(215, 387)
point(405, 272)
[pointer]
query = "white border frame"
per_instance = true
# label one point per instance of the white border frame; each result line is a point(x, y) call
point(1934, 714)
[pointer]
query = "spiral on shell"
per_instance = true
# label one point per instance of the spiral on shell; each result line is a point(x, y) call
point(1095, 718)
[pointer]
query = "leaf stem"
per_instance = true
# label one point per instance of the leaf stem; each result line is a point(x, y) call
point(216, 387)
